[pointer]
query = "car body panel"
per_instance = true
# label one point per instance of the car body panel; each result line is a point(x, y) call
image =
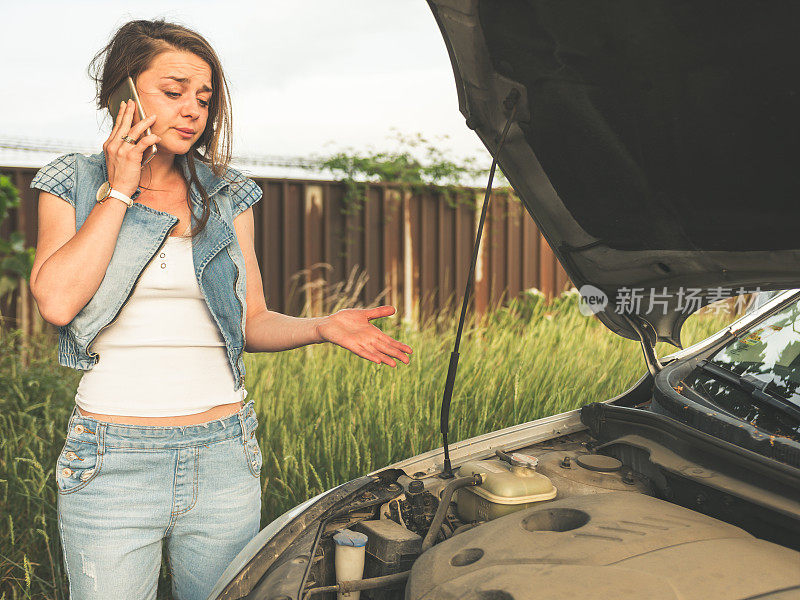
point(645, 136)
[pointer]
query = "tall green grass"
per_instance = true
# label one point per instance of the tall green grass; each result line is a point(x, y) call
point(325, 415)
point(36, 397)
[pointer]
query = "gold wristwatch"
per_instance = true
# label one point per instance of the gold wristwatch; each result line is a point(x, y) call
point(105, 191)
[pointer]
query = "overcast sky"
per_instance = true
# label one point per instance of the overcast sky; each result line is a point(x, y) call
point(306, 77)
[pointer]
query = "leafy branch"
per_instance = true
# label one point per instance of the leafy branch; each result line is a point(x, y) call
point(16, 261)
point(417, 165)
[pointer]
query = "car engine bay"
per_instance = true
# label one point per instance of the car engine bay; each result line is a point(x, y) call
point(570, 515)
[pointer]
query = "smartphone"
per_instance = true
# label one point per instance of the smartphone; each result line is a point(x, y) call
point(127, 91)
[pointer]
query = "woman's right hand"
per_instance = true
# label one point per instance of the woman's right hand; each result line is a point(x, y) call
point(123, 159)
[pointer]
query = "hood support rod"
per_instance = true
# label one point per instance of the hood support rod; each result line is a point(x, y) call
point(510, 103)
point(650, 358)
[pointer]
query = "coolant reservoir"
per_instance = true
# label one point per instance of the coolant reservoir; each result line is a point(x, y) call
point(506, 488)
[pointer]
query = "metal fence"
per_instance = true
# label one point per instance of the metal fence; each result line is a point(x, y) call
point(411, 250)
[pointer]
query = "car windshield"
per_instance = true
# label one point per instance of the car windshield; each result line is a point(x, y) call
point(757, 376)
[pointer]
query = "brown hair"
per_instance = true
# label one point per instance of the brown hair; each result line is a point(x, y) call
point(132, 49)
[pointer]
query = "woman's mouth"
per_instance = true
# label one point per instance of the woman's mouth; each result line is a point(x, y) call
point(185, 133)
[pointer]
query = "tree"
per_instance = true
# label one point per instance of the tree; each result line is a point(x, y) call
point(16, 261)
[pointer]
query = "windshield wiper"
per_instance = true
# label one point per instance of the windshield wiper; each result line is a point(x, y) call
point(757, 389)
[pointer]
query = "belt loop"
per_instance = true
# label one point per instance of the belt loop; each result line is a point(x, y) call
point(101, 438)
point(241, 424)
point(72, 417)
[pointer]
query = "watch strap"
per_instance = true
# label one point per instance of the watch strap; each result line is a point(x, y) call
point(106, 191)
point(112, 193)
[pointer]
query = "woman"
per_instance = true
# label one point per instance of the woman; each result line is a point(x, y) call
point(158, 277)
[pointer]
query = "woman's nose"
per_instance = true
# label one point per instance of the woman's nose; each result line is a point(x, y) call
point(191, 108)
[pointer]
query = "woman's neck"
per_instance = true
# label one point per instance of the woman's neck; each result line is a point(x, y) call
point(162, 169)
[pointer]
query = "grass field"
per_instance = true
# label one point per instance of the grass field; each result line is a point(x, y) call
point(326, 416)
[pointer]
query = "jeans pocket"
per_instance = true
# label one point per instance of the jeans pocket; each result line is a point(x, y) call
point(252, 450)
point(77, 465)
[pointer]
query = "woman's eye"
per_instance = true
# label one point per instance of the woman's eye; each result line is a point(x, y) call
point(203, 103)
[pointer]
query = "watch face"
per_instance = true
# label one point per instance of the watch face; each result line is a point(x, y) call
point(102, 191)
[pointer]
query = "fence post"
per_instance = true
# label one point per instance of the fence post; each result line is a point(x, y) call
point(409, 287)
point(481, 283)
point(393, 225)
point(313, 248)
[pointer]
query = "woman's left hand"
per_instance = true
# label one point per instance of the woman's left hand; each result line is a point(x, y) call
point(350, 328)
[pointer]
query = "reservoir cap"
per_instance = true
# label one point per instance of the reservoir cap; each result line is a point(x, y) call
point(524, 460)
point(347, 537)
point(599, 462)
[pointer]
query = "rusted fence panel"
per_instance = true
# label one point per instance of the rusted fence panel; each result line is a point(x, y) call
point(411, 250)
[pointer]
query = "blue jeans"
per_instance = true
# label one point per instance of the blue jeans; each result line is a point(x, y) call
point(123, 490)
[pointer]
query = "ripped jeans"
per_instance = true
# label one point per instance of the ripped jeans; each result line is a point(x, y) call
point(124, 490)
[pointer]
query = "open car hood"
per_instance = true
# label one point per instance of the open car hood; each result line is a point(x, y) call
point(655, 142)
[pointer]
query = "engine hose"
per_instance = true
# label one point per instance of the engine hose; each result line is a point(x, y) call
point(464, 527)
point(444, 504)
point(446, 531)
point(360, 584)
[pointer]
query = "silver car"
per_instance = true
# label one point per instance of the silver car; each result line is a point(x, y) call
point(655, 143)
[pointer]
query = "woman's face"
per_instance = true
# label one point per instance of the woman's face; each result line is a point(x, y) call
point(177, 89)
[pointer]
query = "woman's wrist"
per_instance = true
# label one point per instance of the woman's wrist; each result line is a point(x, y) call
point(124, 189)
point(318, 325)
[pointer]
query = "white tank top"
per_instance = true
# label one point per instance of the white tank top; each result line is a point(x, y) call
point(163, 355)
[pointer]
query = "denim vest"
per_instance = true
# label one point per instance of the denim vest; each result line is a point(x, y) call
point(217, 256)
